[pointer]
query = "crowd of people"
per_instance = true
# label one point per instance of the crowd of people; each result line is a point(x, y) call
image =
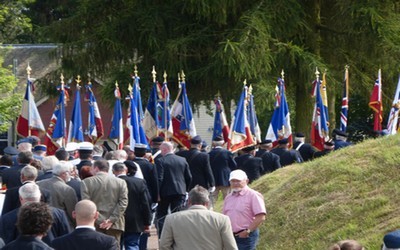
point(95, 197)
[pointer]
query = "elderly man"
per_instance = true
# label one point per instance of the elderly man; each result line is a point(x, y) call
point(174, 178)
point(48, 162)
point(246, 209)
point(62, 195)
point(30, 193)
point(110, 194)
point(85, 235)
point(197, 227)
point(12, 174)
point(271, 161)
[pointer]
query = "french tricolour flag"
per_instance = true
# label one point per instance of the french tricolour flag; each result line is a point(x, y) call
point(29, 121)
point(117, 129)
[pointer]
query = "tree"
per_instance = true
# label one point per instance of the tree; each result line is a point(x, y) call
point(220, 43)
point(10, 102)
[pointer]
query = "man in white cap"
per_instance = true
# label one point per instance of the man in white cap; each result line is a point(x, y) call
point(245, 208)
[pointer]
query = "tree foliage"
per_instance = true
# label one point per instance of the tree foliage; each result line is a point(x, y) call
point(10, 102)
point(220, 43)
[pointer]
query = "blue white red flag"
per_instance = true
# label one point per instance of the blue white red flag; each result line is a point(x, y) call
point(375, 103)
point(163, 111)
point(320, 121)
point(29, 121)
point(252, 117)
point(117, 130)
point(75, 132)
point(221, 126)
point(240, 134)
point(393, 120)
point(95, 128)
point(56, 132)
point(279, 127)
point(345, 102)
point(133, 124)
point(182, 118)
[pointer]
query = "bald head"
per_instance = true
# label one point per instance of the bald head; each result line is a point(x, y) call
point(166, 147)
point(85, 213)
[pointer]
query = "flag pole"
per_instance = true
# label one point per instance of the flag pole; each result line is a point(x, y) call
point(62, 110)
point(28, 72)
point(154, 75)
point(165, 108)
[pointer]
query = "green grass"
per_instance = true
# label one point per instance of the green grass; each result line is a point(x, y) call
point(353, 193)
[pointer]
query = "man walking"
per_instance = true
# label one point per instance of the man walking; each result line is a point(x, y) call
point(245, 208)
point(197, 227)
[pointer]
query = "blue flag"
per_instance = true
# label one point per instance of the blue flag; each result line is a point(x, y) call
point(75, 133)
point(116, 132)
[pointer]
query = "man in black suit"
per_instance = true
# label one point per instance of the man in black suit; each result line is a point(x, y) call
point(252, 166)
point(329, 146)
point(271, 161)
point(287, 156)
point(222, 163)
point(30, 193)
point(199, 164)
point(138, 217)
point(85, 236)
point(11, 175)
point(174, 178)
point(306, 150)
point(12, 200)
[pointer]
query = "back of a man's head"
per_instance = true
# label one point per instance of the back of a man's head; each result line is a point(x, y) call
point(85, 212)
point(166, 147)
point(121, 155)
point(62, 154)
point(29, 173)
point(6, 160)
point(25, 147)
point(29, 192)
point(25, 157)
point(48, 162)
point(199, 196)
point(62, 167)
point(102, 165)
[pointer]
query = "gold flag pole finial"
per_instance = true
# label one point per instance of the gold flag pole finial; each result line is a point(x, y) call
point(250, 89)
point(347, 66)
point(317, 73)
point(183, 75)
point(165, 76)
point(28, 71)
point(135, 71)
point(245, 82)
point(130, 89)
point(116, 84)
point(78, 81)
point(283, 74)
point(62, 80)
point(179, 78)
point(154, 74)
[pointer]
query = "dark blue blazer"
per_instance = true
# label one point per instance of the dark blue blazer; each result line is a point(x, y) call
point(287, 157)
point(11, 176)
point(137, 213)
point(85, 238)
point(199, 164)
point(306, 151)
point(222, 163)
point(174, 176)
point(9, 231)
point(150, 175)
point(253, 166)
point(27, 243)
point(271, 161)
point(11, 200)
point(76, 185)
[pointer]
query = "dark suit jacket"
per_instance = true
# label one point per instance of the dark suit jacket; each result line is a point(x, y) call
point(222, 163)
point(271, 161)
point(11, 176)
point(287, 157)
point(27, 242)
point(11, 200)
point(46, 175)
point(253, 166)
point(76, 185)
point(85, 238)
point(9, 231)
point(174, 175)
point(306, 150)
point(137, 214)
point(149, 172)
point(199, 164)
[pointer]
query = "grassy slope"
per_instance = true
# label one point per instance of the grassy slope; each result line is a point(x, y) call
point(353, 193)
